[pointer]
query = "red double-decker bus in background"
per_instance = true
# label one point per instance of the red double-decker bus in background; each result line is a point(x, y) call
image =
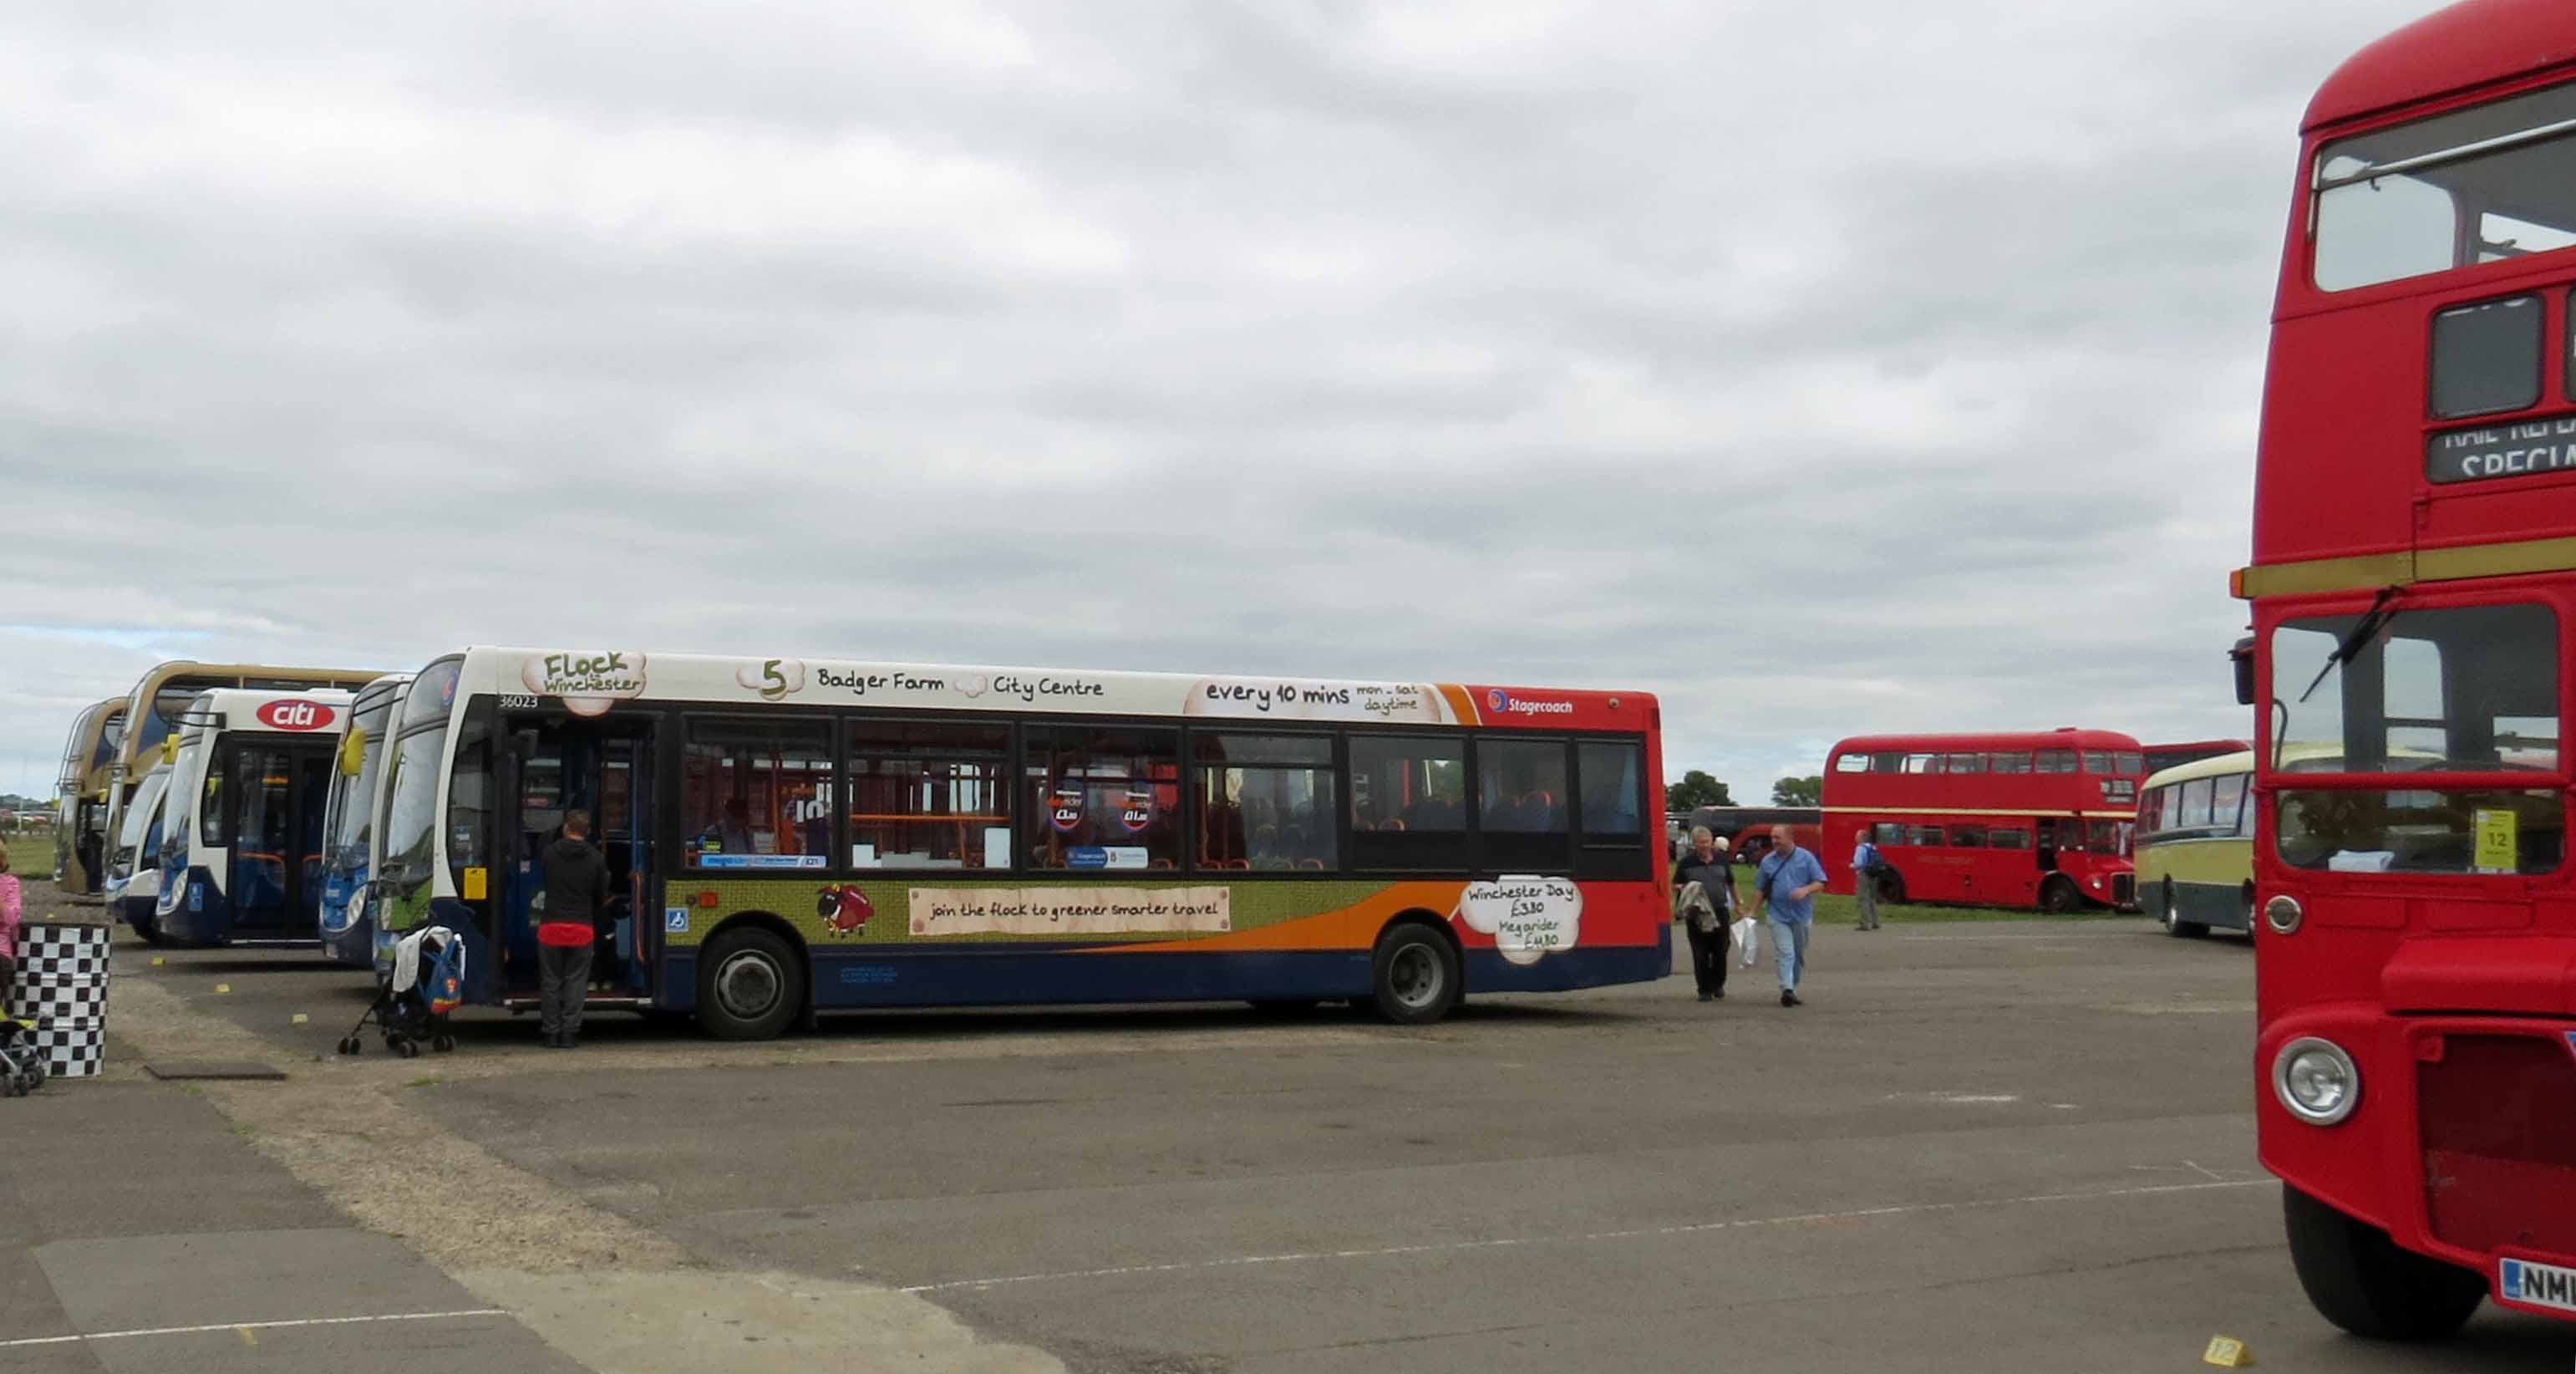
point(2038, 819)
point(2413, 587)
point(2163, 756)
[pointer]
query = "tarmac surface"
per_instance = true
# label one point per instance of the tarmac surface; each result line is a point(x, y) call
point(1981, 1146)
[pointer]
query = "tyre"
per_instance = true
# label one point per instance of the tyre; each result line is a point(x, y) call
point(2172, 920)
point(748, 986)
point(1891, 889)
point(1414, 976)
point(407, 1049)
point(348, 1044)
point(2058, 897)
point(151, 933)
point(2361, 1281)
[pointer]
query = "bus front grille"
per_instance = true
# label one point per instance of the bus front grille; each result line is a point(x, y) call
point(2498, 1117)
point(2124, 889)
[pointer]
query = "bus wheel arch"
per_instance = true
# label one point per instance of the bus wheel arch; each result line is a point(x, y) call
point(2174, 924)
point(754, 977)
point(1891, 887)
point(2360, 1280)
point(1417, 969)
point(2058, 895)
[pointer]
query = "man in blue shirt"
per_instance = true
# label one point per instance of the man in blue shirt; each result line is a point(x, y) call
point(1789, 880)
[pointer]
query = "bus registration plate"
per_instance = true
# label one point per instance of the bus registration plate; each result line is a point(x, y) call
point(2537, 1285)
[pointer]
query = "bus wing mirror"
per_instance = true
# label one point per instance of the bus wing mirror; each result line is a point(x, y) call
point(353, 752)
point(170, 748)
point(2242, 657)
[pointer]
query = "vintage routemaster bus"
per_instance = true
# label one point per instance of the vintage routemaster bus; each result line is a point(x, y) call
point(2413, 590)
point(81, 792)
point(2163, 756)
point(2033, 819)
point(792, 835)
point(241, 848)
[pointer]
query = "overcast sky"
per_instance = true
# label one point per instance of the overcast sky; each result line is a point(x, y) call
point(1824, 369)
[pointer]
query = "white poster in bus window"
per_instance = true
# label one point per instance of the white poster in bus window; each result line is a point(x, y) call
point(589, 680)
point(1297, 699)
point(1084, 910)
point(1526, 916)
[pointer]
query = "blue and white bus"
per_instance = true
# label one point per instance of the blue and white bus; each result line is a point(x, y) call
point(133, 889)
point(241, 852)
point(353, 821)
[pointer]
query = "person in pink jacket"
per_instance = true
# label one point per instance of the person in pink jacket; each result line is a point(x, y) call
point(11, 913)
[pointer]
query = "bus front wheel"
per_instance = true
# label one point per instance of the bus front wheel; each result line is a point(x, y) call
point(748, 988)
point(1891, 889)
point(2361, 1281)
point(1414, 974)
point(2174, 924)
point(2058, 897)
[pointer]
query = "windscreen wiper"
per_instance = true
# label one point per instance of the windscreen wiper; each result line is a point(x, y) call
point(2357, 639)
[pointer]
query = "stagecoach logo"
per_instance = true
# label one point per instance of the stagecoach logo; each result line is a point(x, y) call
point(1066, 813)
point(295, 715)
point(589, 681)
point(1138, 813)
point(1503, 703)
point(774, 678)
point(1526, 916)
point(2540, 1285)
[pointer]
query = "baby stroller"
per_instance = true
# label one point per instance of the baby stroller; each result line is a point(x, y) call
point(22, 1062)
point(428, 982)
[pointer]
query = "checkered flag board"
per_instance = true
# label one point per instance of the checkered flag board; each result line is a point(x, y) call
point(81, 1000)
point(61, 989)
point(72, 1049)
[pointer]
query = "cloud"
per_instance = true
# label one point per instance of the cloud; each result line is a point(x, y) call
point(1823, 372)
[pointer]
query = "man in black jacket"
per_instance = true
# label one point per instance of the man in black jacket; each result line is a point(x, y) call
point(576, 880)
point(1706, 865)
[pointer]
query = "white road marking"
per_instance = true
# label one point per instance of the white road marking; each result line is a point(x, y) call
point(1505, 1242)
point(245, 1328)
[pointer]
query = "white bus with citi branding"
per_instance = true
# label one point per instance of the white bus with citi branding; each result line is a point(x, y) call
point(241, 853)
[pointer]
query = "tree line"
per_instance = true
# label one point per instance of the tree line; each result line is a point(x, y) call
point(1697, 789)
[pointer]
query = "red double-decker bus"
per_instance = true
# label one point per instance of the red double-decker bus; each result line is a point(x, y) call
point(2038, 819)
point(2413, 586)
point(2163, 756)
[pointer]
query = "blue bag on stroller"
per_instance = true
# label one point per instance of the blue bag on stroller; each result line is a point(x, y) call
point(412, 1006)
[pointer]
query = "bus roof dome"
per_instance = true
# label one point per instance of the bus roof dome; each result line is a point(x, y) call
point(2469, 44)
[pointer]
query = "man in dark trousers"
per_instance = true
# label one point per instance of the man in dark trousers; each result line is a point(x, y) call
point(1705, 864)
point(576, 879)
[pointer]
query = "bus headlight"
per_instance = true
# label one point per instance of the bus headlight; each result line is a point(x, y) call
point(2316, 1080)
point(2283, 914)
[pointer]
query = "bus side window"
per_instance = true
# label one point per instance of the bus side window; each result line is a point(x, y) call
point(1408, 802)
point(1886, 833)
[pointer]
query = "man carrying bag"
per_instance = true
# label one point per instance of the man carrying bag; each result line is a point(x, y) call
point(1706, 900)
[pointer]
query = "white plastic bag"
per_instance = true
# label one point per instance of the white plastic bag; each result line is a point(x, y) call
point(1747, 937)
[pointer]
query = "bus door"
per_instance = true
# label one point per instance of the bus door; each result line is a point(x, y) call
point(602, 767)
point(273, 883)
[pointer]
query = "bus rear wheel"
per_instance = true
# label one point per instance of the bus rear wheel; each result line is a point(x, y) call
point(748, 988)
point(2361, 1281)
point(2058, 897)
point(2174, 924)
point(1414, 974)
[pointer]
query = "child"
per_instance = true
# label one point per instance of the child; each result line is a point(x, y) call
point(10, 915)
